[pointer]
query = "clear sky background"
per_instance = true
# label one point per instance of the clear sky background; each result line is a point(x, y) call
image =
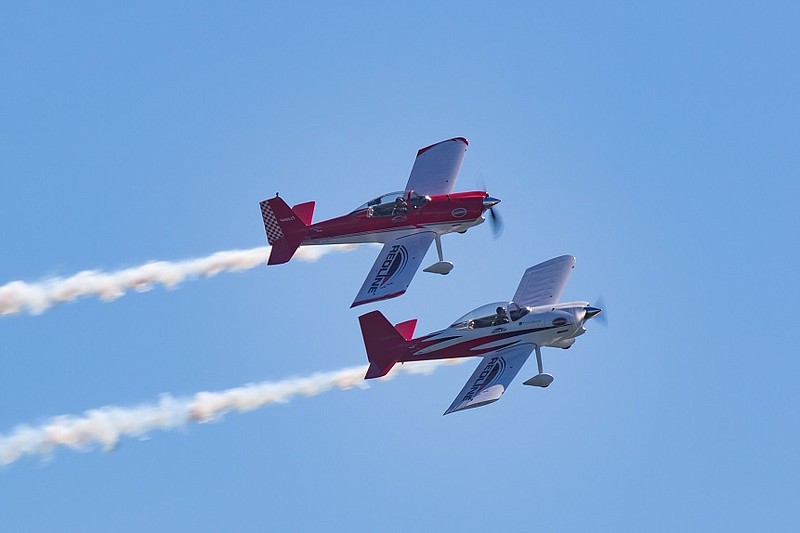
point(656, 143)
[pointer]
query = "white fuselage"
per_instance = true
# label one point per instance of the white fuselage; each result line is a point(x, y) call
point(553, 325)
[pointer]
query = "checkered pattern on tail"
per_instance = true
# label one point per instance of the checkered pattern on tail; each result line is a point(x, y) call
point(274, 232)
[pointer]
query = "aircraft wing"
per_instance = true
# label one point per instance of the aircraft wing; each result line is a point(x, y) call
point(492, 377)
point(394, 268)
point(435, 170)
point(542, 284)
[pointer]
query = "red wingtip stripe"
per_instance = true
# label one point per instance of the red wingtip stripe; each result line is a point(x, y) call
point(461, 139)
point(388, 296)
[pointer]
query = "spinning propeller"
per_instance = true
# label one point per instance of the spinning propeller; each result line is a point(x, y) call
point(598, 311)
point(497, 224)
point(494, 217)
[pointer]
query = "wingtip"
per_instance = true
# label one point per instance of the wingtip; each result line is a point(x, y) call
point(386, 297)
point(458, 139)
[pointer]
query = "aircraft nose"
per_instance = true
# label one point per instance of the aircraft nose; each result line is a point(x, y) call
point(592, 312)
point(489, 202)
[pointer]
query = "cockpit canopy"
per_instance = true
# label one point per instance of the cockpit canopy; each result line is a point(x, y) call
point(393, 203)
point(491, 315)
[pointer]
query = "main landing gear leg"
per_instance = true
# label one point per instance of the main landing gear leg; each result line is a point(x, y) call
point(442, 267)
point(541, 379)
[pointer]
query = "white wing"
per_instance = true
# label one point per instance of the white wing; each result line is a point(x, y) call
point(542, 284)
point(394, 268)
point(436, 168)
point(492, 377)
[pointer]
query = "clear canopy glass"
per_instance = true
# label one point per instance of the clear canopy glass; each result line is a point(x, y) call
point(393, 203)
point(384, 199)
point(491, 315)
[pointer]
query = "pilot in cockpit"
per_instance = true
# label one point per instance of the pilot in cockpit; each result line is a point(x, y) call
point(400, 206)
point(502, 316)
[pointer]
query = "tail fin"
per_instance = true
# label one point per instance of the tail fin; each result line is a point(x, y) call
point(385, 344)
point(285, 227)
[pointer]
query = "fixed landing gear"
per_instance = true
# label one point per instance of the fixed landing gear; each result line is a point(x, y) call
point(541, 379)
point(442, 267)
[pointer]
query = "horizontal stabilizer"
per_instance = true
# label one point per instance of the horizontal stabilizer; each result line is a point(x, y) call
point(283, 250)
point(406, 329)
point(375, 370)
point(305, 212)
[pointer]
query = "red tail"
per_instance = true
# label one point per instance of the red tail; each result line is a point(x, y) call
point(286, 227)
point(385, 343)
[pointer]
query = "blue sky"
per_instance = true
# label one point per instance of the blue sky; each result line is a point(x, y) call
point(656, 143)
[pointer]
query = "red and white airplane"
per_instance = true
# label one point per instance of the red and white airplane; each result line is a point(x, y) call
point(503, 333)
point(407, 222)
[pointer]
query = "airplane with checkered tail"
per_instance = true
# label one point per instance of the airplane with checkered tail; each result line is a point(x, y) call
point(503, 334)
point(406, 222)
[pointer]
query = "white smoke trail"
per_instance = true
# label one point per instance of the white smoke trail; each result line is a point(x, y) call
point(35, 298)
point(106, 425)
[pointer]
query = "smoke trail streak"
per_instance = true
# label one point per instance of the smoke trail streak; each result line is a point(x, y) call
point(106, 425)
point(35, 298)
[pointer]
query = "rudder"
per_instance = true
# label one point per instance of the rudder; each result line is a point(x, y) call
point(285, 228)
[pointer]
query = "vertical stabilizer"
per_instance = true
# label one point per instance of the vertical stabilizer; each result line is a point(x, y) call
point(285, 228)
point(385, 344)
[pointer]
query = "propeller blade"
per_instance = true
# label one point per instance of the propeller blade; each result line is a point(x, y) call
point(602, 318)
point(496, 222)
point(490, 203)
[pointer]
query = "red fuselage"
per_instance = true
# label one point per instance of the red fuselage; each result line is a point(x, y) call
point(441, 214)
